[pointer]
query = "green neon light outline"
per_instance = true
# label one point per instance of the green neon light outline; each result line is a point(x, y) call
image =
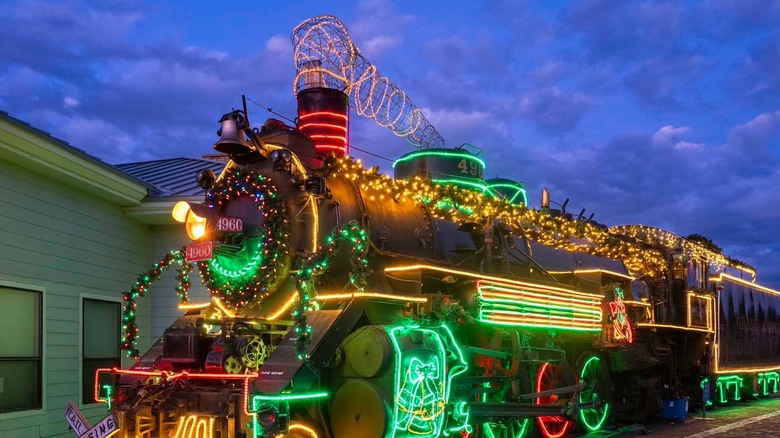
point(540, 326)
point(722, 384)
point(248, 268)
point(460, 411)
point(764, 380)
point(726, 382)
point(589, 299)
point(457, 369)
point(285, 398)
point(518, 191)
point(508, 304)
point(491, 432)
point(446, 154)
point(438, 419)
point(584, 420)
point(477, 184)
point(574, 314)
point(109, 389)
point(524, 429)
point(488, 311)
point(705, 381)
point(595, 301)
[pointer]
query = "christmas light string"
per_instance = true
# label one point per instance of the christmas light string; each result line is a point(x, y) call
point(324, 49)
point(317, 263)
point(142, 284)
point(266, 255)
point(450, 202)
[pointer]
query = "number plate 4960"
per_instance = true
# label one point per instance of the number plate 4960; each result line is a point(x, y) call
point(229, 224)
point(200, 251)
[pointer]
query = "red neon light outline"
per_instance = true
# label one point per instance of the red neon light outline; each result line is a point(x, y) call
point(96, 393)
point(323, 125)
point(185, 375)
point(325, 148)
point(542, 427)
point(323, 113)
point(328, 137)
point(247, 378)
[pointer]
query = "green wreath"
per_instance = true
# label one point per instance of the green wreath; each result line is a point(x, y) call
point(319, 262)
point(252, 279)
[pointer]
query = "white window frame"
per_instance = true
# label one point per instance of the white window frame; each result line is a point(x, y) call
point(97, 297)
point(42, 291)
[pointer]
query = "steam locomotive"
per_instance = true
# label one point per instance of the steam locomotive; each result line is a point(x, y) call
point(346, 303)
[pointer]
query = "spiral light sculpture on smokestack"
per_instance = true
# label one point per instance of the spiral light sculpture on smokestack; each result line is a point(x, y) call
point(326, 57)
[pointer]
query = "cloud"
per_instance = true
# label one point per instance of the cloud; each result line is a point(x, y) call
point(669, 135)
point(380, 44)
point(70, 102)
point(753, 143)
point(625, 30)
point(378, 27)
point(662, 113)
point(554, 110)
point(279, 45)
point(730, 19)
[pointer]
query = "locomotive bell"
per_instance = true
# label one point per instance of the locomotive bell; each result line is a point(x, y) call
point(231, 135)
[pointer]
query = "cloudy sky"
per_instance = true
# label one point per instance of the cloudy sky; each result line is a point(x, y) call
point(655, 113)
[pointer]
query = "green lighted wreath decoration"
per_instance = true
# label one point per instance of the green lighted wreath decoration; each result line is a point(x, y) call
point(142, 284)
point(267, 253)
point(317, 263)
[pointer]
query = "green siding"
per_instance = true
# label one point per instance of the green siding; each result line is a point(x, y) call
point(165, 301)
point(67, 242)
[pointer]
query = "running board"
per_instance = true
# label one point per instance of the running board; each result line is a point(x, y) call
point(329, 328)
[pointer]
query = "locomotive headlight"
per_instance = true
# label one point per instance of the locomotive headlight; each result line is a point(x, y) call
point(194, 217)
point(195, 225)
point(180, 211)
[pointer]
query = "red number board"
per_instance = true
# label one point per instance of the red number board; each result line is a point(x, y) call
point(200, 251)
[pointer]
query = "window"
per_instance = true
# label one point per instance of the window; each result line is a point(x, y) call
point(20, 349)
point(100, 345)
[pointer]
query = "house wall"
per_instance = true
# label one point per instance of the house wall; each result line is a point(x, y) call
point(58, 239)
point(165, 300)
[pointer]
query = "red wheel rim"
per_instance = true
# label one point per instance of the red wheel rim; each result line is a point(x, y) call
point(549, 377)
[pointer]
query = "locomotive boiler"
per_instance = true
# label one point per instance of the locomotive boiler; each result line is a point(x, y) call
point(348, 303)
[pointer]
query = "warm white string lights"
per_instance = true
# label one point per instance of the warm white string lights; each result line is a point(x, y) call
point(326, 57)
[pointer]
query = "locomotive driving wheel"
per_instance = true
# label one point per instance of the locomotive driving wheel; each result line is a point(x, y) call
point(592, 370)
point(515, 428)
point(550, 377)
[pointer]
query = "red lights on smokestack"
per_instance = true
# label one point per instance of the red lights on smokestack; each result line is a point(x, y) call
point(323, 116)
point(323, 112)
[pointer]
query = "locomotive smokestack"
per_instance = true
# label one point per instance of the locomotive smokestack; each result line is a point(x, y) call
point(312, 75)
point(323, 112)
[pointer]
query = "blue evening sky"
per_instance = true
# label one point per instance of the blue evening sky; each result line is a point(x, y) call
point(655, 113)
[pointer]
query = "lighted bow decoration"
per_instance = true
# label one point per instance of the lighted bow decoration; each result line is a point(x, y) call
point(620, 322)
point(421, 399)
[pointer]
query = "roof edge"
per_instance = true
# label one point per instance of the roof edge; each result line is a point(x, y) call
point(33, 149)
